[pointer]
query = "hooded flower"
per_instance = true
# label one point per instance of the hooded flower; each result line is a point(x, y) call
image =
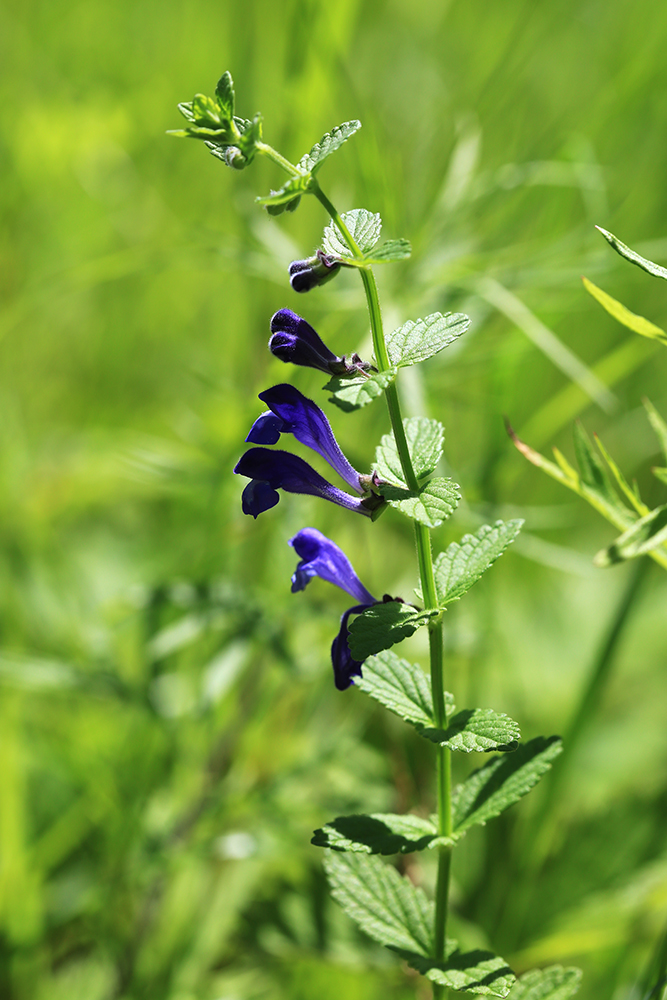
point(319, 556)
point(293, 340)
point(293, 413)
point(270, 471)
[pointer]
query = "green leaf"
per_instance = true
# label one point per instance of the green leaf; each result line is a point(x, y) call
point(292, 188)
point(622, 483)
point(633, 256)
point(420, 339)
point(352, 393)
point(645, 535)
point(593, 473)
point(503, 781)
point(386, 906)
point(400, 686)
point(249, 136)
point(479, 972)
point(658, 425)
point(464, 562)
point(383, 625)
point(563, 473)
point(364, 227)
point(478, 729)
point(432, 504)
point(554, 983)
point(633, 322)
point(381, 833)
point(206, 112)
point(389, 251)
point(328, 144)
point(425, 440)
point(224, 91)
point(660, 474)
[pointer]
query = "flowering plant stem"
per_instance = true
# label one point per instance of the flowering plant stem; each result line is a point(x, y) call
point(385, 904)
point(427, 579)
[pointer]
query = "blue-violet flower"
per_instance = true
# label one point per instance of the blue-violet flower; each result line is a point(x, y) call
point(319, 556)
point(270, 471)
point(290, 412)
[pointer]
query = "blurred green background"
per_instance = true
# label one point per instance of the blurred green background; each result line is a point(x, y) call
point(169, 730)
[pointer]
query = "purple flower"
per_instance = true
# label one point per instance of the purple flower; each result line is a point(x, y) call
point(293, 413)
point(293, 340)
point(319, 556)
point(307, 274)
point(270, 471)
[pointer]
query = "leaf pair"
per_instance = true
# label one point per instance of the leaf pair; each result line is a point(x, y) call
point(485, 794)
point(364, 227)
point(456, 570)
point(398, 914)
point(413, 342)
point(288, 196)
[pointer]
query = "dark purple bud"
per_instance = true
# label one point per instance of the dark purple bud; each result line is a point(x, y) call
point(293, 413)
point(282, 470)
point(307, 274)
point(294, 340)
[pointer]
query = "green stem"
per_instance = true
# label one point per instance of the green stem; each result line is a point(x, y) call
point(427, 578)
point(273, 154)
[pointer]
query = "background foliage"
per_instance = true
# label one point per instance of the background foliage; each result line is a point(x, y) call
point(170, 732)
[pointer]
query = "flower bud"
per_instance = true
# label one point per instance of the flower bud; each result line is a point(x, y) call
point(307, 274)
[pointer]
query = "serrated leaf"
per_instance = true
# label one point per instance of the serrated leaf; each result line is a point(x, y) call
point(420, 339)
point(658, 425)
point(328, 144)
point(633, 256)
point(479, 972)
point(431, 505)
point(293, 188)
point(478, 729)
point(380, 833)
point(185, 107)
point(425, 441)
point(383, 625)
point(400, 686)
point(364, 228)
point(553, 983)
point(503, 781)
point(634, 322)
point(352, 393)
point(645, 535)
point(463, 563)
point(389, 908)
point(224, 91)
point(389, 251)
